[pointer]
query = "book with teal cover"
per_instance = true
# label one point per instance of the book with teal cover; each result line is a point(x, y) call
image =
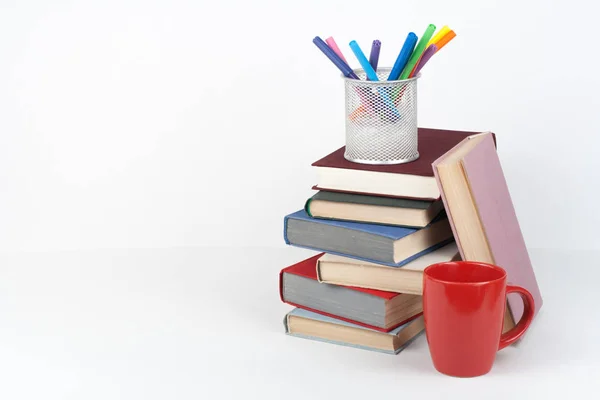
point(415, 325)
point(369, 242)
point(354, 198)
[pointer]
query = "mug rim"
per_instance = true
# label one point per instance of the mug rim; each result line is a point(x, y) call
point(479, 263)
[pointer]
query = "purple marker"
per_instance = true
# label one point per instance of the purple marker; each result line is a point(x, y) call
point(374, 56)
point(427, 54)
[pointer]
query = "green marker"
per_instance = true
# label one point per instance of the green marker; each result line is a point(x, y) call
point(416, 55)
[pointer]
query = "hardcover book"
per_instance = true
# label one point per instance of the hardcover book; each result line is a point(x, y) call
point(411, 180)
point(374, 309)
point(373, 209)
point(482, 215)
point(390, 245)
point(346, 271)
point(309, 325)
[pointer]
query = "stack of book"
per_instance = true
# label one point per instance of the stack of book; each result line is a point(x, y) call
point(376, 227)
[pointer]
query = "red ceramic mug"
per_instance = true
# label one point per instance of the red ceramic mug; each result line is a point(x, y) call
point(463, 306)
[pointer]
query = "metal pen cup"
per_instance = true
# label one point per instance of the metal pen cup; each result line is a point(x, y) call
point(381, 119)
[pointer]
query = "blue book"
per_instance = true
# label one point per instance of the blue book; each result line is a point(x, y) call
point(394, 246)
point(309, 325)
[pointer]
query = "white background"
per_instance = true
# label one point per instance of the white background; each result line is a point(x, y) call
point(185, 123)
point(150, 149)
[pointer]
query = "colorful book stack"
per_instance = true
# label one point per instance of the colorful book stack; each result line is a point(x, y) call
point(376, 227)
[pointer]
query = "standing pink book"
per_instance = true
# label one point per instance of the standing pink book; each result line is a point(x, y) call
point(482, 215)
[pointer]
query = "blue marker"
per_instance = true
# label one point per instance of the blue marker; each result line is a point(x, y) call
point(364, 63)
point(372, 76)
point(403, 57)
point(342, 66)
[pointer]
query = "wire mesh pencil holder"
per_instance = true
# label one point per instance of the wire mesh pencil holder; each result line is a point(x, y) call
point(381, 119)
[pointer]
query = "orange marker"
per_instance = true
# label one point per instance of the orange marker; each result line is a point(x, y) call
point(356, 113)
point(440, 43)
point(443, 41)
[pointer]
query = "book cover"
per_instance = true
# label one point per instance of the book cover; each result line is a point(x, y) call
point(390, 196)
point(414, 180)
point(389, 232)
point(433, 143)
point(323, 318)
point(372, 209)
point(346, 271)
point(498, 219)
point(308, 269)
point(367, 200)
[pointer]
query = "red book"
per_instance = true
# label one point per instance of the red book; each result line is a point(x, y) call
point(413, 180)
point(375, 309)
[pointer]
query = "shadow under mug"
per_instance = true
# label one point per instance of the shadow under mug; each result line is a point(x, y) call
point(463, 308)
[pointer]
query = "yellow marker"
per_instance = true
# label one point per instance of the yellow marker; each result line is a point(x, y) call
point(439, 35)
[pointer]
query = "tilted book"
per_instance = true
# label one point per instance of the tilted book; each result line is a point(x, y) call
point(482, 214)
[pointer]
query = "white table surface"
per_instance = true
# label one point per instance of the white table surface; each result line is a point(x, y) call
point(192, 324)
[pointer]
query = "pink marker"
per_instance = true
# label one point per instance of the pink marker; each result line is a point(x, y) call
point(331, 43)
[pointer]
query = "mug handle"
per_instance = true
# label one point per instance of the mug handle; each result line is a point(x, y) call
point(515, 333)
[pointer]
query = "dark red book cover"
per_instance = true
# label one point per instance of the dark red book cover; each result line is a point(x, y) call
point(433, 143)
point(308, 269)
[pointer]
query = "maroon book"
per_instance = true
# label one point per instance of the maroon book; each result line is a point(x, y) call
point(413, 180)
